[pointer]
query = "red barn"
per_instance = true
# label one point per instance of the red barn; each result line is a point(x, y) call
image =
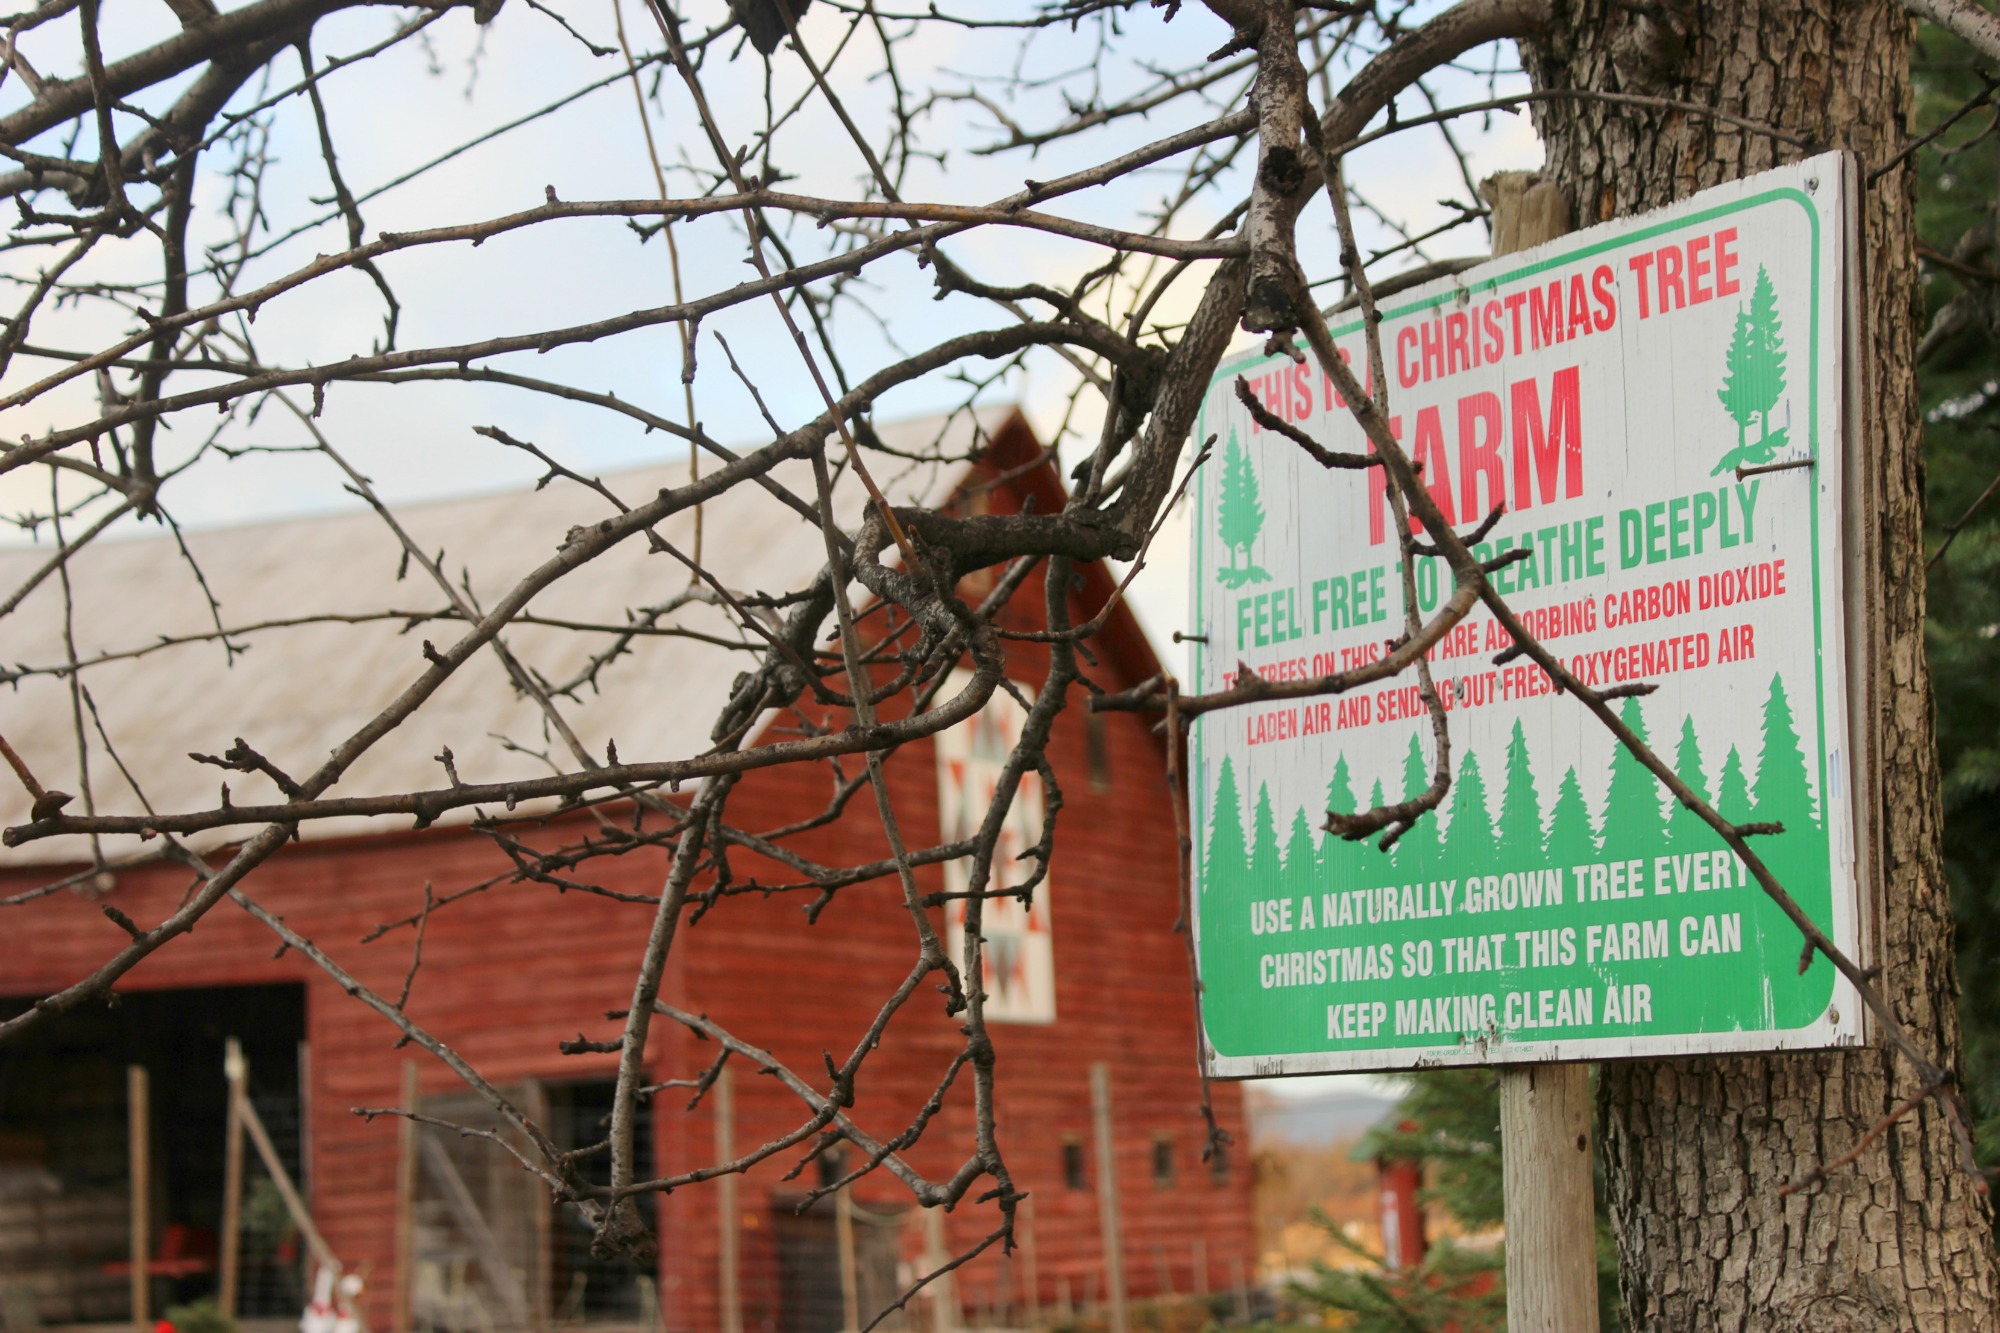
point(450, 1233)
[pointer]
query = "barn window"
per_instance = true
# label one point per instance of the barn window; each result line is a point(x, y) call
point(832, 1165)
point(1163, 1163)
point(1020, 952)
point(1072, 1162)
point(1097, 751)
point(1218, 1164)
point(570, 1284)
point(491, 1252)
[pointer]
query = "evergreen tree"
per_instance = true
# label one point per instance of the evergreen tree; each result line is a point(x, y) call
point(1783, 794)
point(1957, 183)
point(1301, 873)
point(1732, 799)
point(1685, 829)
point(1767, 365)
point(1518, 843)
point(1632, 822)
point(1373, 865)
point(1570, 840)
point(1338, 859)
point(1240, 514)
point(1264, 864)
point(1754, 376)
point(1468, 841)
point(1737, 393)
point(1416, 852)
point(1450, 1121)
point(1227, 864)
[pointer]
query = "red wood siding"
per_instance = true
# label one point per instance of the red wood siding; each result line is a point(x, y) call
point(510, 973)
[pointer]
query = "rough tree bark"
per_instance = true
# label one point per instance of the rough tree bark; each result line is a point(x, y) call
point(1697, 1150)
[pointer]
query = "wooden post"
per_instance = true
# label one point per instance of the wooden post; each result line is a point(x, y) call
point(304, 1060)
point(1107, 1194)
point(1031, 1273)
point(260, 1138)
point(1199, 1264)
point(728, 1276)
point(138, 1133)
point(229, 1257)
point(541, 1274)
point(1551, 1224)
point(406, 1204)
point(1544, 1109)
point(1242, 1288)
point(946, 1300)
point(850, 1276)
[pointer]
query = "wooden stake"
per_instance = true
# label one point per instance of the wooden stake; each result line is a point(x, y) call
point(946, 1300)
point(1031, 1275)
point(1551, 1223)
point(138, 1134)
point(275, 1165)
point(228, 1261)
point(541, 1274)
point(1107, 1194)
point(850, 1277)
point(728, 1276)
point(406, 1204)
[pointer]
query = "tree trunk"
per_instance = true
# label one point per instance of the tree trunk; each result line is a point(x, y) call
point(1696, 1150)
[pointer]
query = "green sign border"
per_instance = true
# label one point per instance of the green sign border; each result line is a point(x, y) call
point(1199, 813)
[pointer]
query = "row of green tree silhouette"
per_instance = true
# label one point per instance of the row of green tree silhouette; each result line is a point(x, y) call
point(1639, 818)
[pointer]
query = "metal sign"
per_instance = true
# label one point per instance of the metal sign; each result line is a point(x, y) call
point(1617, 390)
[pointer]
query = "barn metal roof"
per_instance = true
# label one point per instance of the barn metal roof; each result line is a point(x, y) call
point(299, 691)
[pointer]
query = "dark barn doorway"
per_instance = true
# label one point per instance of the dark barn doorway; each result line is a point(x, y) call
point(65, 1193)
point(492, 1253)
point(809, 1285)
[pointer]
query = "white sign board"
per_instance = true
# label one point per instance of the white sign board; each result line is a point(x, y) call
point(1607, 388)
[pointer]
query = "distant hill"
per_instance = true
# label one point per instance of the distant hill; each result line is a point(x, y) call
point(1315, 1119)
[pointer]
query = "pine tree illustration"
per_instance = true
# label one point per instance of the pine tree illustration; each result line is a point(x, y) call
point(1732, 793)
point(1416, 852)
point(1468, 840)
point(1338, 859)
point(1570, 840)
point(1264, 862)
point(1782, 794)
point(1685, 829)
point(1632, 822)
point(1754, 376)
point(1301, 871)
point(1737, 393)
point(1227, 865)
point(1768, 364)
point(1375, 865)
point(1518, 840)
point(1240, 514)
